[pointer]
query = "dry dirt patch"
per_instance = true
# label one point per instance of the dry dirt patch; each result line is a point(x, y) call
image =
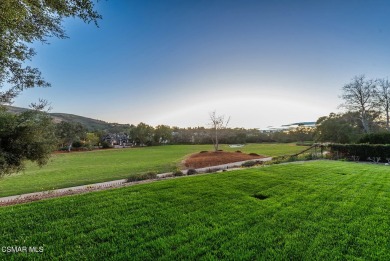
point(208, 159)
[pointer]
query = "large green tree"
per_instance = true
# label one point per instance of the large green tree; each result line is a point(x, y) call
point(142, 134)
point(29, 136)
point(23, 22)
point(26, 136)
point(68, 132)
point(162, 134)
point(338, 128)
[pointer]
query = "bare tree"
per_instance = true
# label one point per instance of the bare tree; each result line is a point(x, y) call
point(218, 123)
point(359, 95)
point(383, 98)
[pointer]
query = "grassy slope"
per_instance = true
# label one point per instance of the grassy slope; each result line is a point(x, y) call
point(91, 124)
point(65, 170)
point(318, 210)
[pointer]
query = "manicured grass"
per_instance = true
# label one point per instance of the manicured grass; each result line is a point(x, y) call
point(314, 211)
point(268, 149)
point(80, 168)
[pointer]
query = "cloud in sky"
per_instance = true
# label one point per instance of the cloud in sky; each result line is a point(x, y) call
point(172, 62)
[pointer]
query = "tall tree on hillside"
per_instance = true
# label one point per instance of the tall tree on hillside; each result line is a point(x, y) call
point(218, 123)
point(383, 98)
point(359, 96)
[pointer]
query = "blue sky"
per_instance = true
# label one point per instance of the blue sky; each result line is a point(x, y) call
point(172, 62)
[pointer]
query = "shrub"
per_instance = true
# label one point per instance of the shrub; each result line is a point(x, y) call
point(191, 171)
point(376, 138)
point(238, 151)
point(177, 173)
point(254, 154)
point(308, 156)
point(106, 145)
point(361, 151)
point(250, 163)
point(144, 176)
point(203, 151)
point(77, 144)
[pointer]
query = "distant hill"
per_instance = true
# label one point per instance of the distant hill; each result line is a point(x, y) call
point(90, 124)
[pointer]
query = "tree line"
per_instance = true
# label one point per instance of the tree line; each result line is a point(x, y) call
point(367, 112)
point(75, 135)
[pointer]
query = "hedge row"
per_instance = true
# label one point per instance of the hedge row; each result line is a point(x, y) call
point(363, 151)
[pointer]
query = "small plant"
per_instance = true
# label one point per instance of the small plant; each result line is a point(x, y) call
point(254, 154)
point(203, 151)
point(106, 145)
point(355, 158)
point(309, 156)
point(238, 151)
point(250, 163)
point(144, 176)
point(376, 160)
point(177, 173)
point(77, 144)
point(191, 172)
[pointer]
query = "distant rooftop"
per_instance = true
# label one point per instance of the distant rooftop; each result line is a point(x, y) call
point(289, 126)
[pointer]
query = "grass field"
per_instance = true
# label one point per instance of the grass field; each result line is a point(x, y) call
point(80, 168)
point(320, 210)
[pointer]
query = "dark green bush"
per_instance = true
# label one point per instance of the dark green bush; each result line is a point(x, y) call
point(77, 144)
point(376, 138)
point(144, 176)
point(177, 173)
point(363, 151)
point(254, 154)
point(250, 163)
point(191, 171)
point(106, 145)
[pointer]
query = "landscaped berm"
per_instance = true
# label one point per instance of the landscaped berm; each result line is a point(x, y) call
point(213, 158)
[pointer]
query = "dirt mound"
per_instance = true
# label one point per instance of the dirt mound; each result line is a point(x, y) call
point(208, 159)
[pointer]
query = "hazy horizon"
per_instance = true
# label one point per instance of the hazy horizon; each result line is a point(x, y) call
point(172, 62)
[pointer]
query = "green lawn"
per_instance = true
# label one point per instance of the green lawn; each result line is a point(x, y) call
point(320, 210)
point(80, 168)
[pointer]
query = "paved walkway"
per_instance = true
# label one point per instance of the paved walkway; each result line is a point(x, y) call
point(109, 184)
